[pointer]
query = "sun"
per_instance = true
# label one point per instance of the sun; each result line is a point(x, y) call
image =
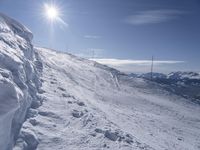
point(51, 12)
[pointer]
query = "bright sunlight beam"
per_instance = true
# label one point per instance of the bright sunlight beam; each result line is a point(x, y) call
point(52, 12)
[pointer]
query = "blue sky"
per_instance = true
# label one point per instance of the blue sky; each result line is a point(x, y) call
point(118, 30)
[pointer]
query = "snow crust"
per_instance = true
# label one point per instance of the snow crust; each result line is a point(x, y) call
point(9, 25)
point(91, 106)
point(19, 78)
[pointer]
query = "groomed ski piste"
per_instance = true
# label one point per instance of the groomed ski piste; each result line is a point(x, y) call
point(52, 100)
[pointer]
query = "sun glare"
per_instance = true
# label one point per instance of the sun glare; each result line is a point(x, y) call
point(51, 12)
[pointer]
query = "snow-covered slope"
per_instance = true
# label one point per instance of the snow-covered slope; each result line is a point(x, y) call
point(19, 78)
point(148, 75)
point(84, 105)
point(183, 75)
point(185, 84)
point(91, 106)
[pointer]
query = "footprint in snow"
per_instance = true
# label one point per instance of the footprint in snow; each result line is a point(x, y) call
point(33, 121)
point(62, 89)
point(81, 103)
point(77, 114)
point(68, 95)
point(115, 135)
point(52, 82)
point(41, 91)
point(49, 114)
point(32, 113)
point(35, 104)
point(42, 80)
point(69, 102)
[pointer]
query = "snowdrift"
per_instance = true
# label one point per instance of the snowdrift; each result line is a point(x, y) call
point(19, 78)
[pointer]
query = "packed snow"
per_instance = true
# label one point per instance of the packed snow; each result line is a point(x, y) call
point(67, 102)
point(19, 78)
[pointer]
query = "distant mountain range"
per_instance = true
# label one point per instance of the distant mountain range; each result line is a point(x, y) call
point(186, 84)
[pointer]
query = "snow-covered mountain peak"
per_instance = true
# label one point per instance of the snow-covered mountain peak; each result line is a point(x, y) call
point(178, 75)
point(183, 75)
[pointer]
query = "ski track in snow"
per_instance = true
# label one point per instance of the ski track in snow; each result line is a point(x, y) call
point(87, 107)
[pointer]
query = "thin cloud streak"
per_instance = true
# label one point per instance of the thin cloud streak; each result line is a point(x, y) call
point(141, 66)
point(92, 37)
point(119, 62)
point(153, 16)
point(91, 53)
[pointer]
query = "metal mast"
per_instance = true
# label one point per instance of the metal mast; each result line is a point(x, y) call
point(152, 67)
point(93, 53)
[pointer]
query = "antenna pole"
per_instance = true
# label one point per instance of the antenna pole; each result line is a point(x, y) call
point(152, 67)
point(92, 53)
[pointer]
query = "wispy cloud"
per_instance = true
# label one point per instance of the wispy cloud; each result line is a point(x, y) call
point(91, 53)
point(137, 65)
point(153, 16)
point(92, 37)
point(119, 62)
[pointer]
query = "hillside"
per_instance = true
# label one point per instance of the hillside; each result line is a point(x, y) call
point(67, 102)
point(185, 84)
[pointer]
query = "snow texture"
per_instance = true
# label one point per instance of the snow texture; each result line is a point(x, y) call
point(91, 106)
point(82, 104)
point(19, 78)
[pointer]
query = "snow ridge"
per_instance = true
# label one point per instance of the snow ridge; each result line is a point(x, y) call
point(8, 24)
point(19, 78)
